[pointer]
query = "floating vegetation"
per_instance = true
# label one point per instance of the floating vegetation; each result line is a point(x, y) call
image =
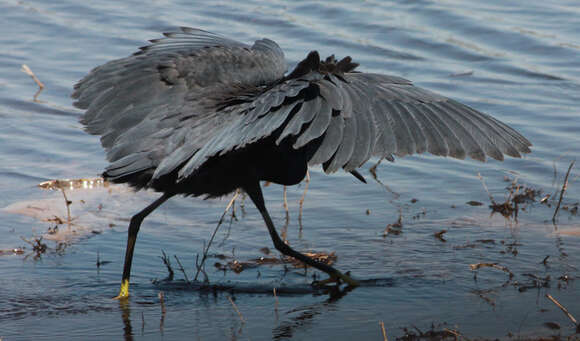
point(395, 228)
point(71, 184)
point(238, 266)
point(517, 195)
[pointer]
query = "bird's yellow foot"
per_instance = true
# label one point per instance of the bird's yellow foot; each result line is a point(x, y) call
point(337, 278)
point(124, 292)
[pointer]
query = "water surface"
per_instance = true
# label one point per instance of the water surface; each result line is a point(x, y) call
point(518, 63)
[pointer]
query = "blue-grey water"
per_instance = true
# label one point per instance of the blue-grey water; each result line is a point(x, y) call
point(519, 61)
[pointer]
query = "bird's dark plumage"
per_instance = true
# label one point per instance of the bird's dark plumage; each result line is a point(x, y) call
point(167, 110)
point(199, 114)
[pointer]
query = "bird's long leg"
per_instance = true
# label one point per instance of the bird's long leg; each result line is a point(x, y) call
point(134, 226)
point(255, 193)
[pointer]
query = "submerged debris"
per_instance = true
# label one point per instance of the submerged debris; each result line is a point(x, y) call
point(101, 262)
point(433, 334)
point(474, 203)
point(536, 282)
point(517, 194)
point(552, 325)
point(39, 247)
point(439, 235)
point(491, 265)
point(395, 228)
point(239, 266)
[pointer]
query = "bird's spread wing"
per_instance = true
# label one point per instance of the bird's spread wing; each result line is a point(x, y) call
point(194, 95)
point(353, 116)
point(158, 105)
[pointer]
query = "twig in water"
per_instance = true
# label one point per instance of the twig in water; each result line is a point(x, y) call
point(181, 269)
point(303, 197)
point(563, 309)
point(236, 309)
point(161, 296)
point(286, 205)
point(29, 72)
point(485, 187)
point(101, 262)
point(373, 169)
point(455, 333)
point(167, 263)
point(491, 265)
point(545, 261)
point(206, 250)
point(233, 215)
point(68, 203)
point(564, 186)
point(200, 267)
point(382, 324)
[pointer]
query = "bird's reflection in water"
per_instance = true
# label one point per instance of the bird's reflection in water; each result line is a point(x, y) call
point(307, 313)
point(293, 319)
point(285, 329)
point(126, 318)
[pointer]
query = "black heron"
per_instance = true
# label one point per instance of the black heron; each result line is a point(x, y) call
point(195, 113)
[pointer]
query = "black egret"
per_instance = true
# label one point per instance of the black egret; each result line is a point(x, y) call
point(195, 113)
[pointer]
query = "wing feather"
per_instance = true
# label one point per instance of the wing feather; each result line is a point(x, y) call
point(391, 116)
point(172, 86)
point(346, 146)
point(318, 125)
point(331, 141)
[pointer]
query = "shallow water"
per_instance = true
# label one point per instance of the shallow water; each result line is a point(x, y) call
point(521, 64)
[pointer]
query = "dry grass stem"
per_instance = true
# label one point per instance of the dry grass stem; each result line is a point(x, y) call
point(455, 333)
point(373, 169)
point(485, 187)
point(167, 263)
point(286, 204)
point(181, 269)
point(564, 186)
point(304, 196)
point(68, 203)
point(563, 309)
point(491, 265)
point(206, 250)
point(276, 302)
point(236, 309)
point(382, 324)
point(29, 72)
point(161, 296)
